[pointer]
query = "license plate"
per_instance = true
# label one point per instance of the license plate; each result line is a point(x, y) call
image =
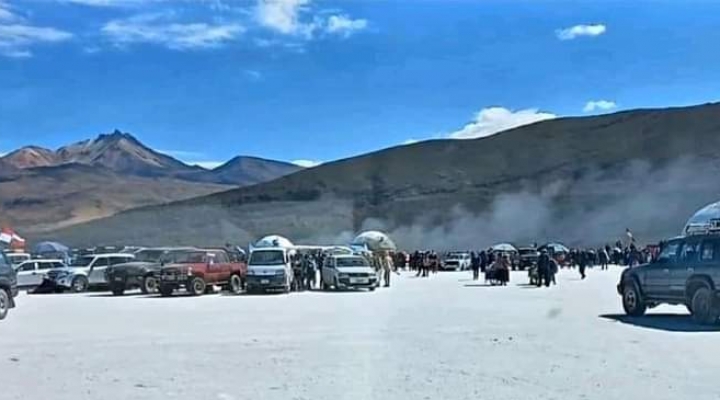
point(358, 280)
point(118, 279)
point(168, 277)
point(264, 281)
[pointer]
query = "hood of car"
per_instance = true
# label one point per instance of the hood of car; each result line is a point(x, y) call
point(356, 270)
point(135, 265)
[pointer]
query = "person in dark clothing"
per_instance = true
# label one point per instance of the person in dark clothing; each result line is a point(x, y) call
point(308, 272)
point(475, 265)
point(483, 261)
point(543, 269)
point(582, 262)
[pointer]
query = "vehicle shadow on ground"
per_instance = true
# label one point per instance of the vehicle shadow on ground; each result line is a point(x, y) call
point(481, 285)
point(664, 322)
point(133, 294)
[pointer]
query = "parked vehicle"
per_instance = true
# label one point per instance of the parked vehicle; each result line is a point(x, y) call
point(687, 271)
point(199, 270)
point(30, 273)
point(527, 257)
point(8, 286)
point(270, 269)
point(16, 258)
point(348, 272)
point(456, 261)
point(86, 271)
point(142, 272)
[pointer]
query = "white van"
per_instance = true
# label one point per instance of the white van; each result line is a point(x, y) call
point(269, 268)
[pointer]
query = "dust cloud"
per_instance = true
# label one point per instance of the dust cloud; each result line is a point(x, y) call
point(591, 209)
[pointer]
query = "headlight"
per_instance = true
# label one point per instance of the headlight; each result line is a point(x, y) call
point(189, 271)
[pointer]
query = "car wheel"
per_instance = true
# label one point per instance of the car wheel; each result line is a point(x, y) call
point(4, 303)
point(118, 290)
point(236, 285)
point(149, 285)
point(633, 303)
point(166, 290)
point(704, 309)
point(197, 286)
point(79, 284)
point(372, 288)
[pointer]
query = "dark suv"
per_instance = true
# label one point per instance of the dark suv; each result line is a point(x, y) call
point(8, 286)
point(687, 271)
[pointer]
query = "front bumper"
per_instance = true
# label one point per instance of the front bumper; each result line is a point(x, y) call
point(358, 283)
point(265, 282)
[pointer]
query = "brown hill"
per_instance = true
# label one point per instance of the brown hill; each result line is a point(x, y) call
point(31, 157)
point(581, 180)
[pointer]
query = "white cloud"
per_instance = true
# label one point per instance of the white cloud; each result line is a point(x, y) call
point(492, 120)
point(5, 13)
point(344, 25)
point(157, 29)
point(603, 105)
point(296, 18)
point(306, 163)
point(580, 30)
point(281, 15)
point(180, 154)
point(253, 75)
point(208, 164)
point(16, 38)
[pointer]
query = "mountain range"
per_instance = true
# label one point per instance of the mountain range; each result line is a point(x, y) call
point(581, 180)
point(44, 189)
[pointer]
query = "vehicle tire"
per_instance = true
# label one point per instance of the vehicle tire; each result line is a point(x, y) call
point(236, 284)
point(633, 303)
point(704, 307)
point(4, 303)
point(196, 286)
point(149, 285)
point(79, 284)
point(118, 290)
point(372, 288)
point(166, 290)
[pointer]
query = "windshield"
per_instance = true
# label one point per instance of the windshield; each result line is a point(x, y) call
point(528, 252)
point(186, 257)
point(267, 257)
point(457, 255)
point(351, 262)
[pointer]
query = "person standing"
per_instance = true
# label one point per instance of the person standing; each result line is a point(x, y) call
point(483, 261)
point(582, 262)
point(475, 265)
point(543, 269)
point(387, 267)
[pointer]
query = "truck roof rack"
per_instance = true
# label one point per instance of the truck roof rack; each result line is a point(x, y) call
point(711, 226)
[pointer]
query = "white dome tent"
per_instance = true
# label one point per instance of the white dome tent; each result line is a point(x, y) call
point(274, 241)
point(374, 241)
point(704, 220)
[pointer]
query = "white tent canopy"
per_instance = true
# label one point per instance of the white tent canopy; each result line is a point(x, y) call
point(504, 247)
point(375, 241)
point(707, 218)
point(274, 241)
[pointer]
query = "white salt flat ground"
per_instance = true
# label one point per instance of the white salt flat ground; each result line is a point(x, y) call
point(445, 337)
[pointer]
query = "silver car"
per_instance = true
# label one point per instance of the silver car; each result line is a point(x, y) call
point(348, 272)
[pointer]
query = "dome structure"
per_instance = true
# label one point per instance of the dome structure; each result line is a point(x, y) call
point(704, 220)
point(375, 241)
point(274, 241)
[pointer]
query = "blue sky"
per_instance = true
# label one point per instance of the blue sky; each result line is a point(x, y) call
point(315, 80)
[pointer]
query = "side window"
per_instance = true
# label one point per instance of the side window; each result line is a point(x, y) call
point(689, 252)
point(45, 265)
point(100, 262)
point(669, 252)
point(710, 250)
point(56, 265)
point(221, 258)
point(28, 267)
point(118, 260)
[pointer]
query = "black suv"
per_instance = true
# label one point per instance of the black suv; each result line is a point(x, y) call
point(8, 286)
point(687, 271)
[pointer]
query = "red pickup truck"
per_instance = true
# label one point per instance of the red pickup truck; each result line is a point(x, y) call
point(199, 270)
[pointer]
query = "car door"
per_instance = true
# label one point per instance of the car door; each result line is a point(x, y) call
point(328, 270)
point(222, 267)
point(657, 275)
point(96, 275)
point(688, 261)
point(26, 273)
point(709, 258)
